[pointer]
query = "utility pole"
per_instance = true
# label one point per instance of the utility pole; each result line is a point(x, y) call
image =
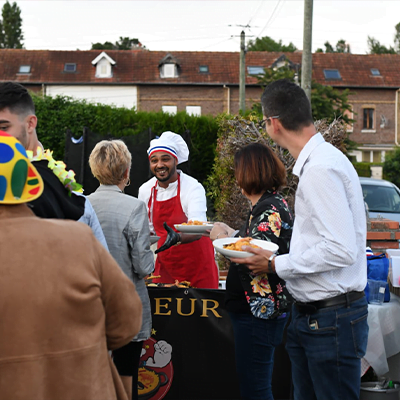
point(242, 74)
point(306, 67)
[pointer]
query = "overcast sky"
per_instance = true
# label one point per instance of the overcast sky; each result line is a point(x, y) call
point(203, 25)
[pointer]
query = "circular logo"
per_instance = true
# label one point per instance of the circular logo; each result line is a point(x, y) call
point(155, 370)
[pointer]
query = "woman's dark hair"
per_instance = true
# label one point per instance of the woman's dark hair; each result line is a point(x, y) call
point(258, 168)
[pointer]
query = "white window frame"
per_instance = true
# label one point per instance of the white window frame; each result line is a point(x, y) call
point(193, 110)
point(169, 109)
point(99, 69)
point(169, 70)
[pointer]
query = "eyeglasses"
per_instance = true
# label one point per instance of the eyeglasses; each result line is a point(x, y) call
point(263, 123)
point(274, 117)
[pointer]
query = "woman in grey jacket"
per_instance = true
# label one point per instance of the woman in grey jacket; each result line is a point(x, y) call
point(123, 219)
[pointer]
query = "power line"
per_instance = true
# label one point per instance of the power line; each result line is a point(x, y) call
point(273, 12)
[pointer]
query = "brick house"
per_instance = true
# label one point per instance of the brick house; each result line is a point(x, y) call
point(208, 83)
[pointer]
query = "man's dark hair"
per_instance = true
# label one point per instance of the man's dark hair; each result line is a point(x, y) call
point(16, 98)
point(288, 101)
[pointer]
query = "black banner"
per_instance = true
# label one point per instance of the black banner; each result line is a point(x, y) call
point(190, 354)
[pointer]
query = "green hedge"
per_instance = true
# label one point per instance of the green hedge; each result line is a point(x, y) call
point(56, 115)
point(363, 169)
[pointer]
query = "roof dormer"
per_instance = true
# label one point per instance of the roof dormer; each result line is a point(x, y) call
point(282, 61)
point(103, 63)
point(169, 67)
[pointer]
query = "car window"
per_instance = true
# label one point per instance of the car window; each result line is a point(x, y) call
point(381, 198)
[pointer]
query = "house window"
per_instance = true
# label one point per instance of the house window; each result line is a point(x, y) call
point(169, 71)
point(170, 109)
point(368, 118)
point(203, 69)
point(193, 110)
point(332, 74)
point(24, 69)
point(103, 69)
point(252, 70)
point(69, 67)
point(375, 72)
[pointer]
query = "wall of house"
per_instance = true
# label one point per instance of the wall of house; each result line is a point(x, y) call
point(383, 101)
point(213, 100)
point(120, 96)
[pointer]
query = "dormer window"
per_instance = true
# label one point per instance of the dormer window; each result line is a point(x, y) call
point(103, 69)
point(169, 67)
point(24, 69)
point(104, 64)
point(69, 67)
point(169, 71)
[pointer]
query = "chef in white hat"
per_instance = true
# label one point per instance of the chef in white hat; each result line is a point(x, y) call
point(173, 197)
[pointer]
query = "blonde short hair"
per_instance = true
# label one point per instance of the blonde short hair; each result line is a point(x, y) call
point(109, 160)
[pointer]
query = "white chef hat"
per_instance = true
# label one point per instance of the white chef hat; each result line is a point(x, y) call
point(171, 143)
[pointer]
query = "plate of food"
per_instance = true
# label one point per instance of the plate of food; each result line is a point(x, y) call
point(194, 226)
point(232, 247)
point(154, 239)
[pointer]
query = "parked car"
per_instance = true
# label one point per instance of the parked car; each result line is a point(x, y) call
point(382, 198)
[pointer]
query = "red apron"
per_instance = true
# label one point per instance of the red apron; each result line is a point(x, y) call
point(193, 262)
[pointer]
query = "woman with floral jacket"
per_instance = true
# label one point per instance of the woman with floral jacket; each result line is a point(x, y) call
point(258, 304)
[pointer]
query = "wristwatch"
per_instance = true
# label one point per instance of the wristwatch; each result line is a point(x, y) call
point(179, 240)
point(270, 260)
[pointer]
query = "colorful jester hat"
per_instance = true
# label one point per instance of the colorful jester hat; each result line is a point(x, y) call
point(19, 180)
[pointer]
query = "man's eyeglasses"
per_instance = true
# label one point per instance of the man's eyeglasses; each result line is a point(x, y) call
point(274, 117)
point(267, 118)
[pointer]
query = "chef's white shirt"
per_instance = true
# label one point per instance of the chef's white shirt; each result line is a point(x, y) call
point(193, 196)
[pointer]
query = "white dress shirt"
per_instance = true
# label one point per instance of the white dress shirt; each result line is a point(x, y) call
point(327, 250)
point(193, 196)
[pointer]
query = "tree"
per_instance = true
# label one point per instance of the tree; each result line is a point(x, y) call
point(341, 47)
point(268, 44)
point(397, 38)
point(11, 27)
point(326, 102)
point(391, 166)
point(375, 47)
point(124, 43)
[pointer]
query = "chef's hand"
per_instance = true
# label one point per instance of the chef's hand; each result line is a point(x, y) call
point(221, 230)
point(172, 239)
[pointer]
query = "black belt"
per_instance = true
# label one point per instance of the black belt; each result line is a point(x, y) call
point(342, 299)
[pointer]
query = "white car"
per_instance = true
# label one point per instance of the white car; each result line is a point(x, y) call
point(382, 198)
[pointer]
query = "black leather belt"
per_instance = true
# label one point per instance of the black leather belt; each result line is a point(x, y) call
point(342, 299)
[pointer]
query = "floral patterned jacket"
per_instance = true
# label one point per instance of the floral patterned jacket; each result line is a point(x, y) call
point(270, 219)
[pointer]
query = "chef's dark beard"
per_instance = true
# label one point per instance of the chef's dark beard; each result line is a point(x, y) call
point(168, 177)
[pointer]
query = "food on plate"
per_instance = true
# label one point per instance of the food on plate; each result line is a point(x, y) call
point(190, 222)
point(237, 246)
point(148, 381)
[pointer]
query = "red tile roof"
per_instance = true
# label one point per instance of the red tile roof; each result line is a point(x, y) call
point(141, 67)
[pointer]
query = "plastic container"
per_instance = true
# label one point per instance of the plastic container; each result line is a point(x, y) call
point(376, 291)
point(394, 266)
point(373, 391)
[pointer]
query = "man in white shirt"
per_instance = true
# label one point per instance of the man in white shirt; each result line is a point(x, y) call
point(173, 197)
point(325, 270)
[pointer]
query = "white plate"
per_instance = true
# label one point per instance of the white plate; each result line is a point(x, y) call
point(154, 239)
point(264, 244)
point(194, 228)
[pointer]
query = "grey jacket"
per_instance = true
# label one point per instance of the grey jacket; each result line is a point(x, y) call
point(125, 225)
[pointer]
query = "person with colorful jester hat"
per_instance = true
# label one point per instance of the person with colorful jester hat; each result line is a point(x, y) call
point(65, 301)
point(60, 198)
